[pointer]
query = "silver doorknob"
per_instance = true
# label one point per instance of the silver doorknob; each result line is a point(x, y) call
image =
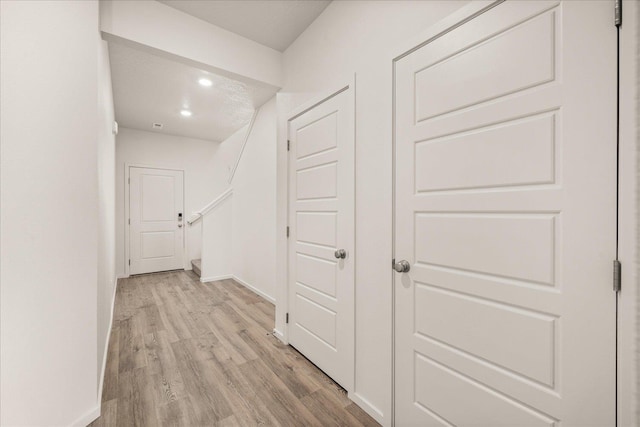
point(340, 254)
point(402, 266)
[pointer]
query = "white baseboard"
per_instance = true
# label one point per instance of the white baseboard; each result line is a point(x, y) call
point(280, 336)
point(375, 413)
point(216, 278)
point(106, 346)
point(87, 418)
point(122, 276)
point(254, 289)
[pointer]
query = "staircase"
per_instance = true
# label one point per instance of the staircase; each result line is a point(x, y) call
point(196, 264)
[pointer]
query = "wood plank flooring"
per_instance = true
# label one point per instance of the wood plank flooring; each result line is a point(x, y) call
point(185, 353)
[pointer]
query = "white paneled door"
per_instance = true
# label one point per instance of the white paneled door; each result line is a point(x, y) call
point(156, 230)
point(506, 214)
point(321, 241)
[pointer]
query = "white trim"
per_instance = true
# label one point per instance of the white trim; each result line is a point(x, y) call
point(89, 417)
point(254, 289)
point(106, 344)
point(319, 99)
point(216, 278)
point(280, 336)
point(288, 107)
point(122, 276)
point(211, 205)
point(444, 26)
point(366, 406)
point(628, 219)
point(246, 138)
point(628, 190)
point(127, 226)
point(349, 84)
point(282, 262)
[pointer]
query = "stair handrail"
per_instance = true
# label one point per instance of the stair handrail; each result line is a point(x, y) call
point(197, 215)
point(244, 143)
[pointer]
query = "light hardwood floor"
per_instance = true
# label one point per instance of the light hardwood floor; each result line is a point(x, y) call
point(185, 353)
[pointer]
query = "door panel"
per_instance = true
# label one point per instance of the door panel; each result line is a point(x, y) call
point(517, 246)
point(475, 68)
point(475, 159)
point(156, 232)
point(505, 210)
point(321, 215)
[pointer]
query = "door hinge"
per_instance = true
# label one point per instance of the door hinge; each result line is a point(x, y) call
point(288, 145)
point(617, 10)
point(128, 180)
point(129, 262)
point(129, 221)
point(286, 318)
point(287, 231)
point(617, 275)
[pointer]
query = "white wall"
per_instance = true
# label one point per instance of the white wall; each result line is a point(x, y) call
point(358, 37)
point(254, 206)
point(49, 216)
point(217, 242)
point(240, 236)
point(106, 207)
point(204, 45)
point(194, 156)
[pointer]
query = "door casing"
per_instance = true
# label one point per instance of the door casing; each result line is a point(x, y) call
point(349, 85)
point(127, 213)
point(458, 18)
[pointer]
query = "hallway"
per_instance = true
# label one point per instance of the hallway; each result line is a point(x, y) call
point(317, 212)
point(187, 353)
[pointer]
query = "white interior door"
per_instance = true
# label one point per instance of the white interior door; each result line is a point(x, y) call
point(505, 211)
point(321, 221)
point(156, 230)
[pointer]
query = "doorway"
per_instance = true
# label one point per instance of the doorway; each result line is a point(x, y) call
point(321, 235)
point(155, 219)
point(505, 214)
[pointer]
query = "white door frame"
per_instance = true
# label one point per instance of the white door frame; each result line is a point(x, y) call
point(290, 115)
point(626, 335)
point(350, 84)
point(629, 219)
point(127, 204)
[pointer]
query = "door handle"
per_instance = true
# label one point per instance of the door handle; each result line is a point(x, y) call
point(402, 266)
point(179, 225)
point(340, 254)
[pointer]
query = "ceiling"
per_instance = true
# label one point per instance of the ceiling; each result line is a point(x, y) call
point(273, 23)
point(149, 89)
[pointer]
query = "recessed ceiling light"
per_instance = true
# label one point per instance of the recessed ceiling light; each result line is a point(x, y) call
point(185, 113)
point(205, 82)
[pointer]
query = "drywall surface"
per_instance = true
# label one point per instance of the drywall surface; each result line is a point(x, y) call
point(106, 205)
point(153, 26)
point(359, 37)
point(49, 217)
point(239, 236)
point(194, 156)
point(217, 243)
point(254, 206)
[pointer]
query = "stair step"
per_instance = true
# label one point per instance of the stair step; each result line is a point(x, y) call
point(196, 264)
